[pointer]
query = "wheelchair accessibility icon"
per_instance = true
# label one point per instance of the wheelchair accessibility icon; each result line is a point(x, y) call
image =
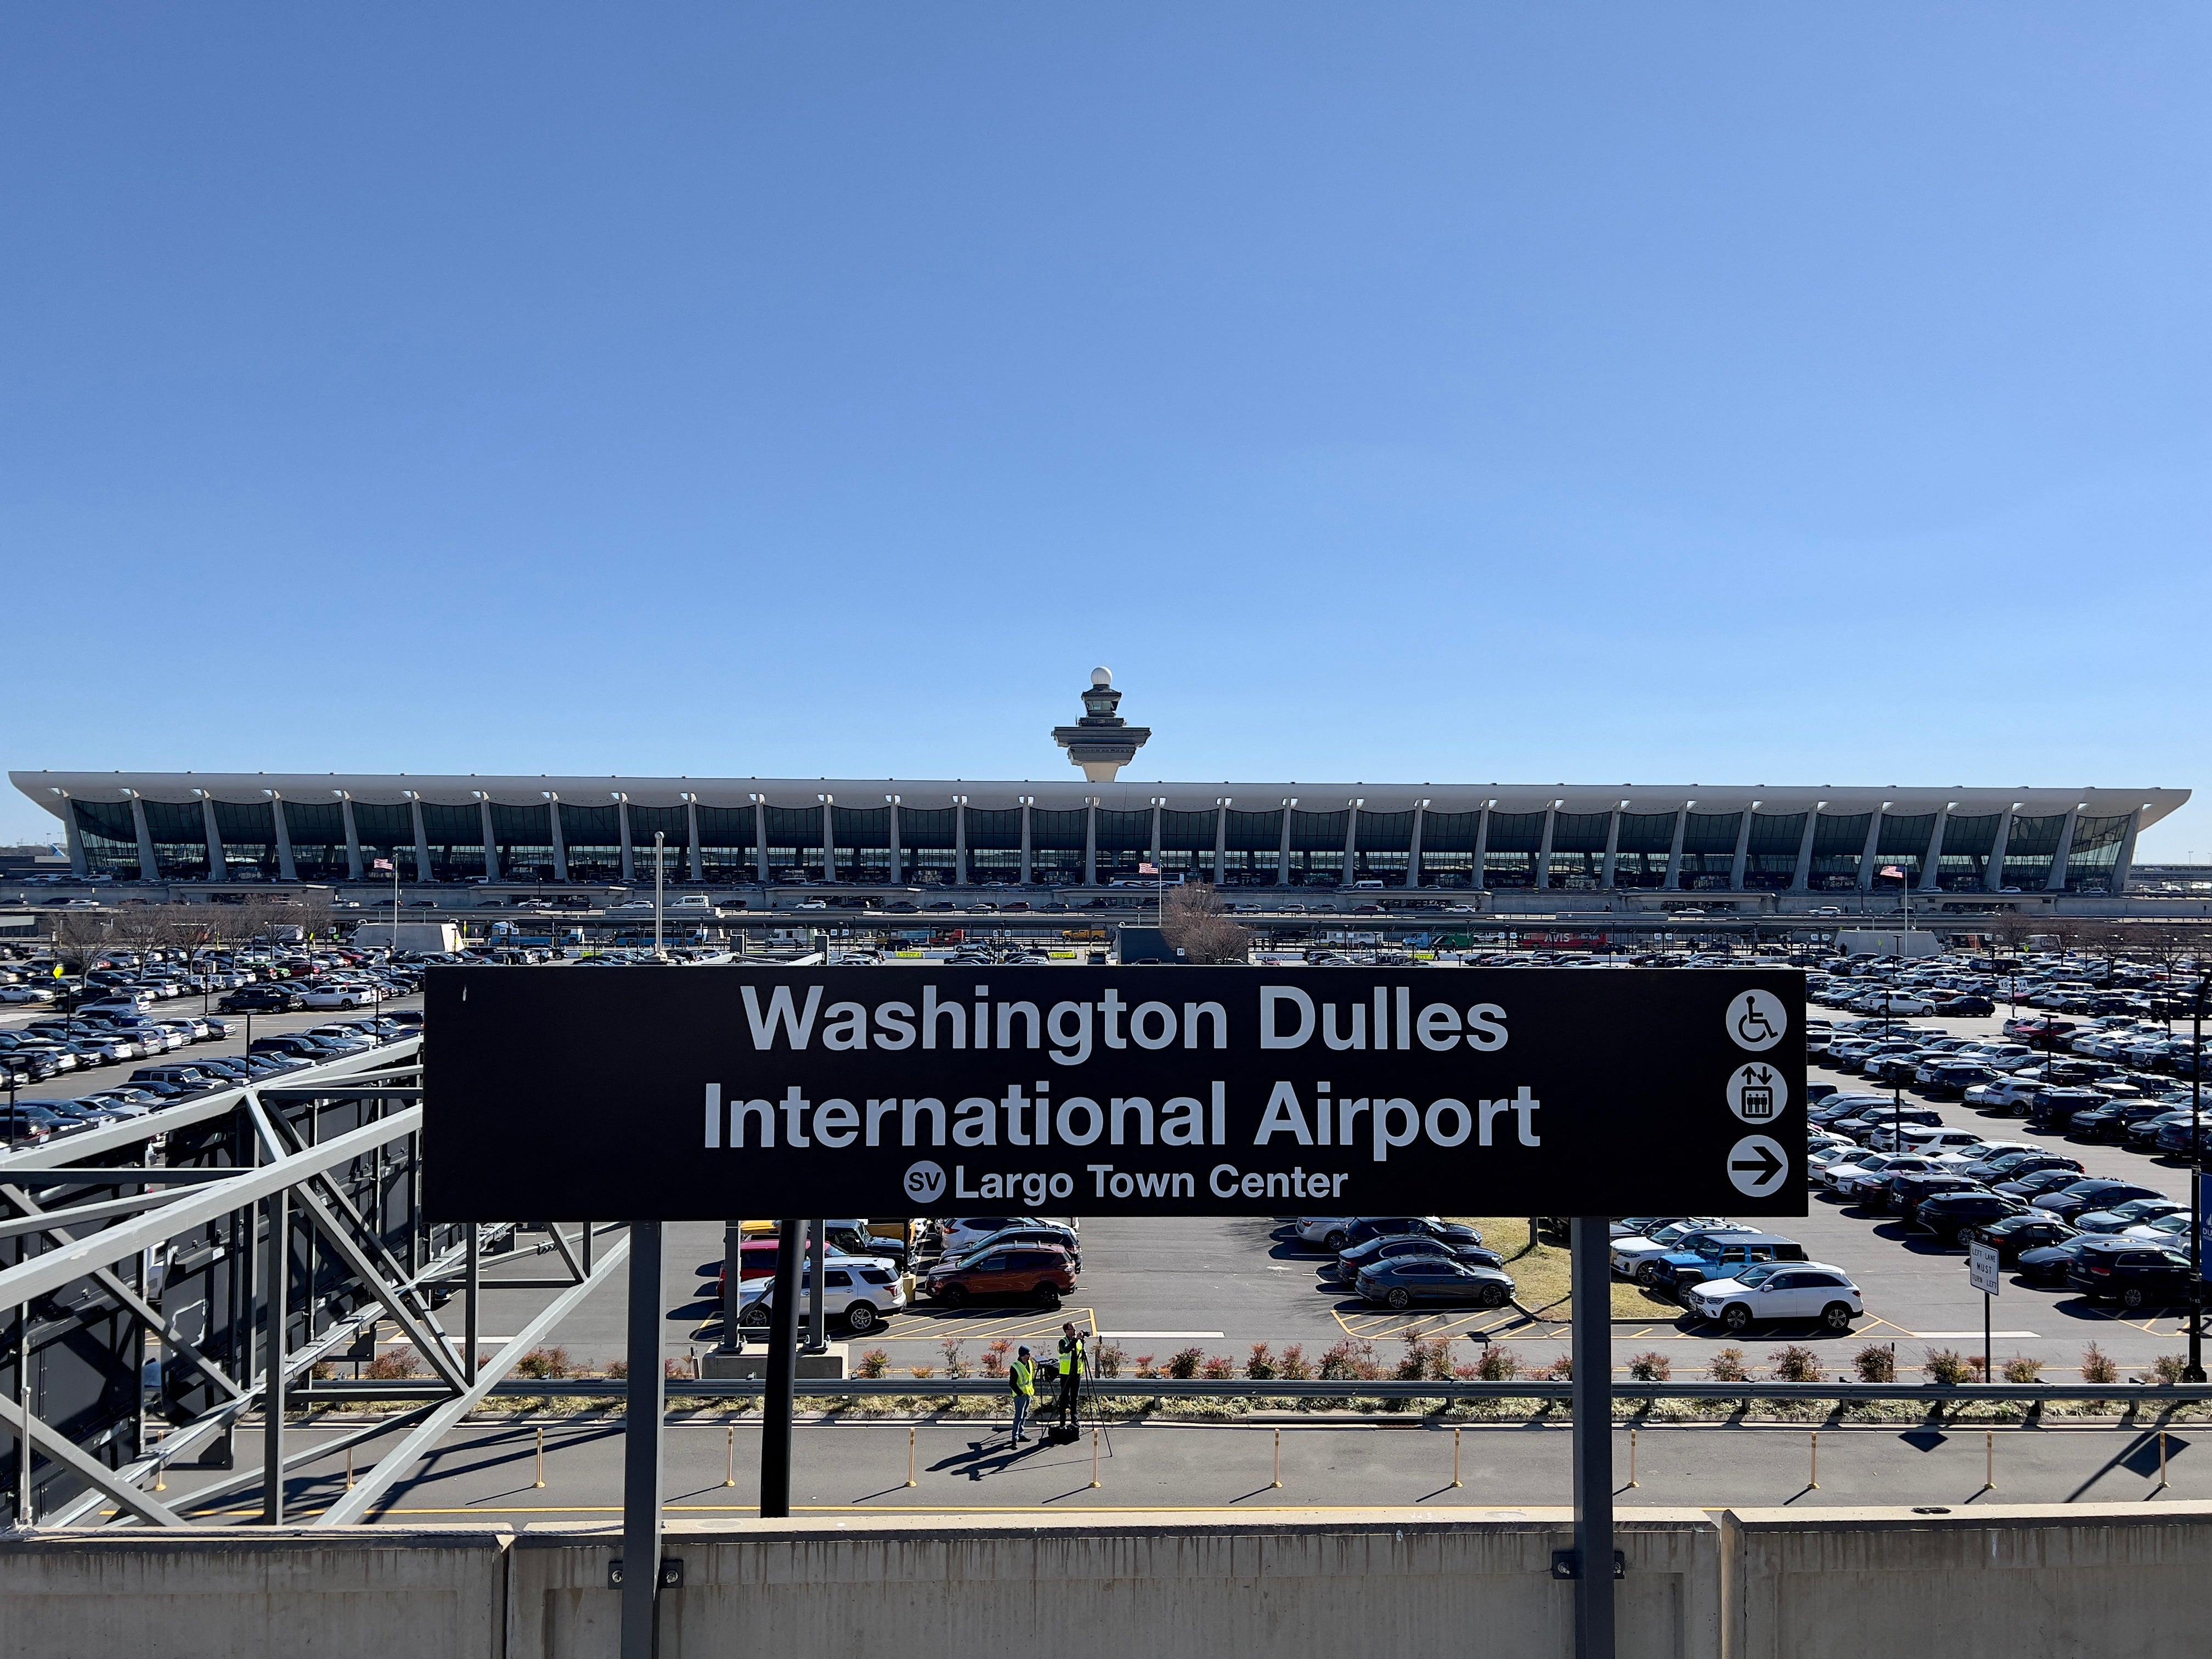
point(1757, 1020)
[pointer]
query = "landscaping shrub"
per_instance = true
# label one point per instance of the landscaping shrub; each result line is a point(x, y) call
point(876, 1362)
point(390, 1367)
point(2098, 1367)
point(1110, 1359)
point(2022, 1368)
point(1261, 1366)
point(1794, 1364)
point(1349, 1361)
point(1947, 1365)
point(1425, 1361)
point(2169, 1367)
point(1653, 1367)
point(1561, 1369)
point(1144, 1366)
point(1183, 1364)
point(545, 1362)
point(1876, 1363)
point(1497, 1363)
point(1294, 1366)
point(1728, 1366)
point(1218, 1369)
point(618, 1369)
point(956, 1357)
point(995, 1356)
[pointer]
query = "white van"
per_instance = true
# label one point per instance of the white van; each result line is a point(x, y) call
point(1369, 886)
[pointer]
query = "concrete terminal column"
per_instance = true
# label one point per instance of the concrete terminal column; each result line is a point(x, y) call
point(73, 838)
point(1283, 851)
point(149, 867)
point(357, 869)
point(1800, 878)
point(1482, 850)
point(1413, 847)
point(760, 842)
point(1025, 843)
point(1544, 848)
point(1351, 842)
point(1927, 884)
point(1612, 848)
point(422, 871)
point(959, 844)
point(1993, 877)
point(1742, 851)
point(1091, 843)
point(555, 839)
point(2057, 882)
point(1866, 852)
point(898, 844)
point(830, 872)
point(1220, 841)
point(490, 838)
point(691, 829)
point(628, 853)
point(2126, 861)
point(1673, 881)
point(218, 870)
point(286, 869)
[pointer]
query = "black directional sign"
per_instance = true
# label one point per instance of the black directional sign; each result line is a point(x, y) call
point(700, 1093)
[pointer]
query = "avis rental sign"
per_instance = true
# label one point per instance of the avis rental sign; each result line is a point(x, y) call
point(701, 1093)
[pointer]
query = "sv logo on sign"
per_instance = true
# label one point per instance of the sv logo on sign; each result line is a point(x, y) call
point(925, 1182)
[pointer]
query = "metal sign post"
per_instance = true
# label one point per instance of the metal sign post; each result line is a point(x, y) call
point(646, 1402)
point(1985, 1275)
point(782, 1372)
point(1591, 1279)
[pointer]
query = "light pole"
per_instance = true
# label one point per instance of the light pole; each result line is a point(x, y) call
point(659, 841)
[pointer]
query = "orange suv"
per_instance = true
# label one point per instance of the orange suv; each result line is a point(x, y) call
point(1035, 1273)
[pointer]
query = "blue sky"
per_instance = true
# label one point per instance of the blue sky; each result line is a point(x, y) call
point(1472, 392)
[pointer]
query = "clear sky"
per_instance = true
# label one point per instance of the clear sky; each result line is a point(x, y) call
point(1697, 393)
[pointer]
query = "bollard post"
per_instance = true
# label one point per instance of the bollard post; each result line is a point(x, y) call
point(910, 1454)
point(2161, 1462)
point(1814, 1485)
point(538, 1485)
point(1277, 1482)
point(1455, 1434)
point(730, 1469)
point(349, 1486)
point(1632, 1480)
point(1094, 1457)
point(1990, 1462)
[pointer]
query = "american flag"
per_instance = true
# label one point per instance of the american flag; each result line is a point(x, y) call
point(381, 864)
point(1148, 869)
point(1893, 869)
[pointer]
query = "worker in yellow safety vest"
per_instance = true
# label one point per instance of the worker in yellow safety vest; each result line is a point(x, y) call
point(1074, 1360)
point(1021, 1382)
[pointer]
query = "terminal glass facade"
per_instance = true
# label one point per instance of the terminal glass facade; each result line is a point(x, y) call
point(524, 837)
point(1963, 864)
point(1839, 848)
point(179, 832)
point(1770, 862)
point(861, 837)
point(2095, 857)
point(1902, 843)
point(1317, 847)
point(1253, 847)
point(1448, 848)
point(1641, 851)
point(926, 844)
point(1382, 845)
point(794, 843)
point(1709, 849)
point(725, 844)
point(1187, 842)
point(247, 831)
point(994, 844)
point(1578, 849)
point(317, 832)
point(591, 837)
point(456, 839)
point(388, 833)
point(109, 837)
point(674, 823)
point(2030, 849)
point(1124, 840)
point(1509, 859)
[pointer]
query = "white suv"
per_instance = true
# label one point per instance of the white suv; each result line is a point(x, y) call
point(1768, 1291)
point(861, 1291)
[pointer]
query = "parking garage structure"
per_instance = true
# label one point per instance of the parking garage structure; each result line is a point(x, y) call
point(206, 827)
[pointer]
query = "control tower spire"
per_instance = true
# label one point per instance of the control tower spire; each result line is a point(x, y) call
point(1100, 742)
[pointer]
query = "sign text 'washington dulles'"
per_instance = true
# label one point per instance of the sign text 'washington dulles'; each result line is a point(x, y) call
point(706, 1093)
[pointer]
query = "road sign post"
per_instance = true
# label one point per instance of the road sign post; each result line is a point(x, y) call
point(645, 1404)
point(1984, 1274)
point(1590, 1276)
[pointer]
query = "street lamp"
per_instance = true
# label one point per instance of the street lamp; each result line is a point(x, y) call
point(2195, 1373)
point(660, 841)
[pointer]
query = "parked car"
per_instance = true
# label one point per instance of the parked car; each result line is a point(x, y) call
point(2025, 1230)
point(860, 1294)
point(1433, 1281)
point(2133, 1214)
point(1770, 1290)
point(1345, 1269)
point(1393, 1226)
point(2130, 1272)
point(1032, 1272)
point(1636, 1257)
point(2067, 1202)
point(1957, 1216)
point(1716, 1254)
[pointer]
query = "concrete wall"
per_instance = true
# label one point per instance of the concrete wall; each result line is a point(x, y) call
point(2028, 1582)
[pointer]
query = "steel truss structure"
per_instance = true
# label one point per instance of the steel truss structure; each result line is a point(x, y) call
point(166, 1269)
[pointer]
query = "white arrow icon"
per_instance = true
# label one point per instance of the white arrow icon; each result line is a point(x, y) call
point(1757, 1165)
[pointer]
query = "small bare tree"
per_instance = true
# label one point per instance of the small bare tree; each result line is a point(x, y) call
point(1194, 923)
point(79, 941)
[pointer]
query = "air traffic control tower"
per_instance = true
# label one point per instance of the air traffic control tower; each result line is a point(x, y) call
point(1100, 742)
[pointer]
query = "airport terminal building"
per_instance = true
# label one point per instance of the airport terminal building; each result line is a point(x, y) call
point(188, 827)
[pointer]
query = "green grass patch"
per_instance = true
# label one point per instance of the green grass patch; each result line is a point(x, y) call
point(1541, 1277)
